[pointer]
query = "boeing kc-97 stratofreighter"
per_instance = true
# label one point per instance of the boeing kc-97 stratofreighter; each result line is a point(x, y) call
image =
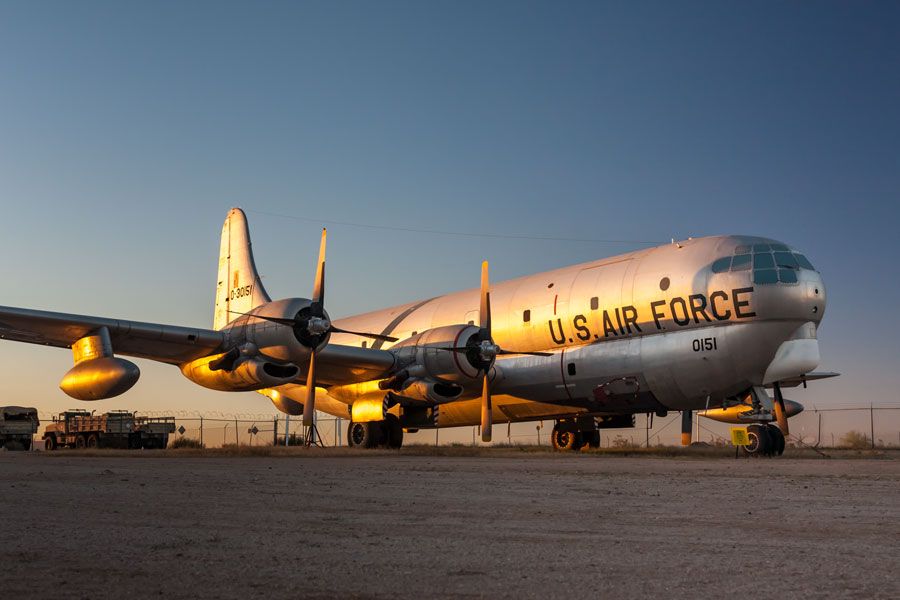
point(705, 324)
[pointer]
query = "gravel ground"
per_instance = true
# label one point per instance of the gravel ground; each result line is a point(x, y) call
point(418, 526)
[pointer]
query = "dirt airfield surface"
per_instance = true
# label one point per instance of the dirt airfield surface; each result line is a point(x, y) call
point(496, 524)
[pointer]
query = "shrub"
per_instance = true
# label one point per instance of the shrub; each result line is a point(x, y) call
point(184, 442)
point(856, 440)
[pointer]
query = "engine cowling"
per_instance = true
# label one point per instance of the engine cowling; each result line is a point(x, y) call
point(100, 378)
point(279, 341)
point(434, 374)
point(732, 414)
point(246, 375)
point(427, 360)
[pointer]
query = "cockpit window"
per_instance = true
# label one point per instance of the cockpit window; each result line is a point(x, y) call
point(741, 262)
point(771, 263)
point(787, 276)
point(804, 262)
point(763, 261)
point(764, 276)
point(786, 260)
point(722, 265)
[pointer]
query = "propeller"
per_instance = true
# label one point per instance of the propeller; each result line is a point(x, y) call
point(311, 326)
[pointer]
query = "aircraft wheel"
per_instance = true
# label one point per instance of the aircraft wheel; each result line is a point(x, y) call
point(363, 435)
point(49, 443)
point(760, 440)
point(592, 438)
point(93, 441)
point(394, 432)
point(566, 440)
point(777, 439)
point(80, 442)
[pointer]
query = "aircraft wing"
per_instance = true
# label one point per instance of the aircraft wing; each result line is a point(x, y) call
point(172, 344)
point(165, 343)
point(803, 379)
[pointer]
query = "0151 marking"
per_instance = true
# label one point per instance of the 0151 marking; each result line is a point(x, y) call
point(705, 344)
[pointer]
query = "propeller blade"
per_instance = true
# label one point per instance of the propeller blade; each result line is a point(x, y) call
point(485, 312)
point(486, 413)
point(780, 413)
point(309, 407)
point(318, 295)
point(374, 336)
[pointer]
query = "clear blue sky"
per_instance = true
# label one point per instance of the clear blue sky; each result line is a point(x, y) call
point(127, 129)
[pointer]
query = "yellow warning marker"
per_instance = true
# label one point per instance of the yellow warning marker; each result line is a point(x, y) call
point(739, 436)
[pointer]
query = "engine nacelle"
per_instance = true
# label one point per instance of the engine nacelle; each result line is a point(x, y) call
point(426, 361)
point(100, 378)
point(279, 341)
point(246, 375)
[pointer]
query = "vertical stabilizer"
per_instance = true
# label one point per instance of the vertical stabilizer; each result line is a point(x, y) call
point(239, 288)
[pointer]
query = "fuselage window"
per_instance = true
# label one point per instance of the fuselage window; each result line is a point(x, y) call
point(526, 316)
point(364, 344)
point(595, 303)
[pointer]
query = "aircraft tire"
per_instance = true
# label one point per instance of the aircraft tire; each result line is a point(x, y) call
point(394, 432)
point(566, 440)
point(777, 439)
point(363, 435)
point(760, 441)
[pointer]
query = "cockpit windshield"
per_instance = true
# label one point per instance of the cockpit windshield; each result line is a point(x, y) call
point(771, 263)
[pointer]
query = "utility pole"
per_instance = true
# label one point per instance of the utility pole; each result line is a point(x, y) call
point(872, 423)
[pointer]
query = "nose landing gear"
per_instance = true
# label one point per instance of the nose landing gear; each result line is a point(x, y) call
point(765, 440)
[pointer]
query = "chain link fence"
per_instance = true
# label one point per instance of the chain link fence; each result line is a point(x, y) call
point(859, 426)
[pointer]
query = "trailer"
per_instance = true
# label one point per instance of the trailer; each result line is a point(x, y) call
point(18, 425)
point(115, 429)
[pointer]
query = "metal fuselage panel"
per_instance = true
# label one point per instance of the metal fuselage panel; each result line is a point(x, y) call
point(654, 329)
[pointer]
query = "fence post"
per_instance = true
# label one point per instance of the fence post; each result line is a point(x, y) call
point(237, 439)
point(275, 429)
point(201, 431)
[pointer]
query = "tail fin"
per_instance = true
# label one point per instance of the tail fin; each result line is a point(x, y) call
point(239, 288)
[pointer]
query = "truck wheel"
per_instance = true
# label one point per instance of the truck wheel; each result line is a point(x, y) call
point(26, 443)
point(49, 443)
point(93, 441)
point(79, 442)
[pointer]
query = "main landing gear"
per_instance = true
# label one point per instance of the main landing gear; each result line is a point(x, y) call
point(375, 434)
point(573, 435)
point(766, 439)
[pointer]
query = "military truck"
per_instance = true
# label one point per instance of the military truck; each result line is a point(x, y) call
point(115, 429)
point(17, 426)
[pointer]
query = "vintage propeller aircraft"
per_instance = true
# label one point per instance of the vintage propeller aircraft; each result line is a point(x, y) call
point(706, 324)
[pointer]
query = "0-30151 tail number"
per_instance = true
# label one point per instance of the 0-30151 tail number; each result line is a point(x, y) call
point(705, 344)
